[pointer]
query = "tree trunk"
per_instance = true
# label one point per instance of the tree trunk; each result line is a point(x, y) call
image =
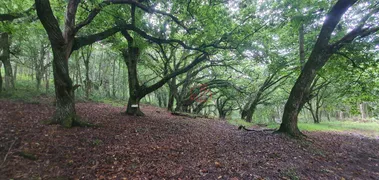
point(61, 44)
point(38, 79)
point(295, 101)
point(47, 81)
point(113, 78)
point(47, 74)
point(131, 56)
point(362, 110)
point(5, 58)
point(222, 115)
point(172, 94)
point(244, 110)
point(319, 56)
point(253, 106)
point(88, 81)
point(65, 113)
point(1, 78)
point(133, 107)
point(15, 72)
point(313, 113)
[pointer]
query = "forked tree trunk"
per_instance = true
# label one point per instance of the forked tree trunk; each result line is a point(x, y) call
point(131, 56)
point(61, 44)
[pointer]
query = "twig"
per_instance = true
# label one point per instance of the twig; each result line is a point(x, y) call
point(6, 155)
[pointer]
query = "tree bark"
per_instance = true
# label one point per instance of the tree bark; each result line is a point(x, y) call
point(5, 58)
point(88, 83)
point(15, 73)
point(253, 105)
point(113, 78)
point(172, 94)
point(47, 74)
point(65, 113)
point(61, 44)
point(1, 78)
point(319, 56)
point(131, 56)
point(362, 110)
point(40, 67)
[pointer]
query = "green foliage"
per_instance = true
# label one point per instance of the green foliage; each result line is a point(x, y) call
point(238, 122)
point(251, 41)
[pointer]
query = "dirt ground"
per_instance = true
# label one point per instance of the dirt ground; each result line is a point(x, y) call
point(164, 146)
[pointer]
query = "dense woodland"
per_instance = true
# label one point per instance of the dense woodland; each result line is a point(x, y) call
point(189, 89)
point(261, 61)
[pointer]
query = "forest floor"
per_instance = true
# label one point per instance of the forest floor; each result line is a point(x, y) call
point(164, 146)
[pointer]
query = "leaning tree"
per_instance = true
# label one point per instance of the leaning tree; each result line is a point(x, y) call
point(66, 40)
point(202, 44)
point(326, 46)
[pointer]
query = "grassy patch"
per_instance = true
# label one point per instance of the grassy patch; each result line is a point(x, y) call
point(370, 128)
point(238, 122)
point(112, 102)
point(365, 128)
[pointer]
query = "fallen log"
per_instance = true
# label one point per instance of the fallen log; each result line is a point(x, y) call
point(241, 127)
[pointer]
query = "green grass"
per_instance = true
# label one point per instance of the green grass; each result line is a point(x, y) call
point(238, 122)
point(338, 126)
point(365, 128)
point(112, 102)
point(25, 91)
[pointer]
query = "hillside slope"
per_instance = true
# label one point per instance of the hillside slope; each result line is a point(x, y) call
point(163, 146)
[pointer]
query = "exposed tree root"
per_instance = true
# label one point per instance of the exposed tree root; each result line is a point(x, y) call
point(176, 113)
point(298, 135)
point(134, 113)
point(241, 127)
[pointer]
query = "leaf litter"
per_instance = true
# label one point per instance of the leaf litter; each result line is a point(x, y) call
point(164, 146)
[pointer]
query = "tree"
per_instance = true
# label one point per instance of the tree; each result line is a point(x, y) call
point(63, 43)
point(5, 46)
point(136, 91)
point(5, 58)
point(132, 55)
point(322, 51)
point(86, 55)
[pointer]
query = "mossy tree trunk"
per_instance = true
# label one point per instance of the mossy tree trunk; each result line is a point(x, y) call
point(5, 58)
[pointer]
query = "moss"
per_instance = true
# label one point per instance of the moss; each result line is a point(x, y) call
point(28, 155)
point(68, 121)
